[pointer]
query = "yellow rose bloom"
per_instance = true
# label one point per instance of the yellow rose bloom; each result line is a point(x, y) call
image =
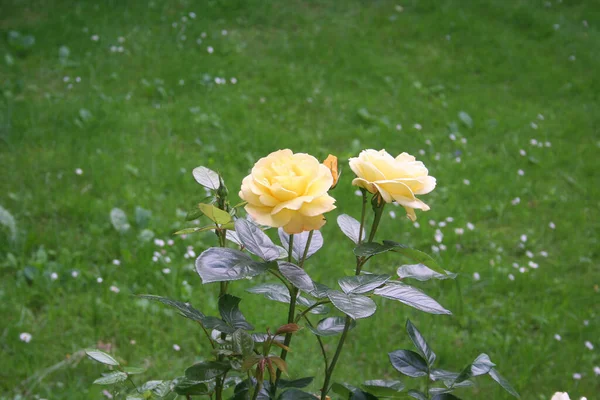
point(395, 179)
point(288, 190)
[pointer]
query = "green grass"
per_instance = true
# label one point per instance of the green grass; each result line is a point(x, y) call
point(154, 113)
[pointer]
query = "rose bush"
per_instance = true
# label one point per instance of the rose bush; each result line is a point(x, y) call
point(395, 179)
point(288, 190)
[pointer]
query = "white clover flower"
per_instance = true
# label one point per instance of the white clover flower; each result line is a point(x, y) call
point(74, 274)
point(459, 231)
point(78, 171)
point(166, 271)
point(398, 127)
point(466, 182)
point(476, 276)
point(511, 277)
point(416, 224)
point(25, 337)
point(176, 347)
point(470, 226)
point(521, 172)
point(210, 49)
point(114, 289)
point(515, 201)
point(576, 376)
point(528, 253)
point(54, 276)
point(589, 345)
point(439, 236)
point(116, 262)
point(557, 337)
point(99, 279)
point(418, 127)
point(522, 152)
point(392, 214)
point(551, 225)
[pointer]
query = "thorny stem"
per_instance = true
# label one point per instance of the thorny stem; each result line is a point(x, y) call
point(259, 385)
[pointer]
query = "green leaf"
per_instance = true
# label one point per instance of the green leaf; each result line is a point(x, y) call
point(272, 291)
point(219, 264)
point(296, 383)
point(256, 241)
point(466, 119)
point(134, 370)
point(411, 296)
point(296, 394)
point(304, 302)
point(354, 305)
point(362, 283)
point(420, 343)
point(187, 231)
point(206, 371)
point(440, 374)
point(118, 218)
point(185, 309)
point(251, 361)
point(503, 382)
point(230, 312)
point(409, 363)
point(417, 394)
point(142, 217)
point(422, 273)
point(296, 275)
point(242, 342)
point(444, 396)
point(186, 387)
point(343, 389)
point(8, 220)
point(481, 366)
point(331, 326)
point(101, 357)
point(111, 378)
point(193, 214)
point(383, 388)
point(215, 214)
point(350, 227)
point(300, 240)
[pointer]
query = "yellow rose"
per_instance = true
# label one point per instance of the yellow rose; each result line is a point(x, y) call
point(288, 190)
point(395, 179)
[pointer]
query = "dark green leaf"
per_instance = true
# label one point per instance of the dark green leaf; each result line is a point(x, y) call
point(350, 227)
point(417, 394)
point(296, 275)
point(256, 241)
point(299, 244)
point(343, 389)
point(296, 383)
point(420, 343)
point(320, 291)
point(186, 387)
point(251, 361)
point(411, 296)
point(101, 357)
point(272, 291)
point(304, 302)
point(369, 249)
point(331, 326)
point(230, 312)
point(383, 388)
point(481, 366)
point(110, 378)
point(503, 382)
point(218, 324)
point(206, 177)
point(421, 272)
point(219, 264)
point(242, 342)
point(162, 389)
point(354, 305)
point(206, 371)
point(443, 375)
point(296, 394)
point(362, 283)
point(184, 309)
point(409, 363)
point(444, 396)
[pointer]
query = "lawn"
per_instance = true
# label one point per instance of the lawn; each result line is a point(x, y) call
point(115, 103)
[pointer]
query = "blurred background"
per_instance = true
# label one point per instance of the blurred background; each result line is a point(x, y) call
point(110, 105)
